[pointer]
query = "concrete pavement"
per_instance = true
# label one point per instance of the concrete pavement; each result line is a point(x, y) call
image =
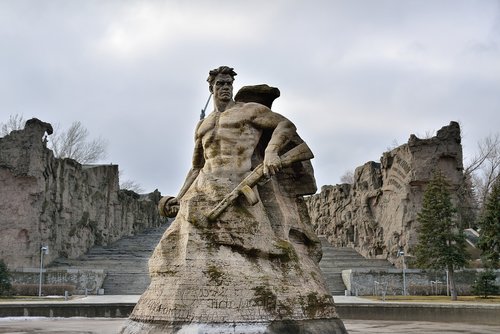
point(38, 325)
point(360, 315)
point(114, 299)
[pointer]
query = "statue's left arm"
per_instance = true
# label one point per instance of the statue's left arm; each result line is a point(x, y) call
point(169, 205)
point(282, 131)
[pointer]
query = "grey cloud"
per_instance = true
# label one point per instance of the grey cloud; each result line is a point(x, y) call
point(354, 75)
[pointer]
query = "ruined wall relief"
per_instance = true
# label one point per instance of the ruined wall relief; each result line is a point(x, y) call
point(378, 213)
point(60, 203)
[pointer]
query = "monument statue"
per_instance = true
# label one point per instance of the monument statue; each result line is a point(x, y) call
point(240, 256)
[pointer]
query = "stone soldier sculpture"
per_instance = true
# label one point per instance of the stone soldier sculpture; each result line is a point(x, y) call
point(240, 257)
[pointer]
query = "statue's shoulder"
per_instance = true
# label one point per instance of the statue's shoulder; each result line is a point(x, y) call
point(247, 110)
point(254, 108)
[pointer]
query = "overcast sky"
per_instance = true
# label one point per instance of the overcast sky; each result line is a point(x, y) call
point(356, 77)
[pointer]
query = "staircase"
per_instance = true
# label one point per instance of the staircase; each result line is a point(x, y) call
point(336, 259)
point(471, 241)
point(125, 262)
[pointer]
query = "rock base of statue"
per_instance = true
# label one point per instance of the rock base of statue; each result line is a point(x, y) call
point(198, 286)
point(317, 326)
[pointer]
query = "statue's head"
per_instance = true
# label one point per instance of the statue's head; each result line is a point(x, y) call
point(225, 71)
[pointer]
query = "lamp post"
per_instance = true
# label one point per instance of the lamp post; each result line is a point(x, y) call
point(43, 250)
point(402, 254)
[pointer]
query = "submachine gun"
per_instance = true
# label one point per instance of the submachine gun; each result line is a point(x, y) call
point(299, 153)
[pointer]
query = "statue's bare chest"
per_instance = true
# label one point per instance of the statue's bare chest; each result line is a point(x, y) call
point(231, 124)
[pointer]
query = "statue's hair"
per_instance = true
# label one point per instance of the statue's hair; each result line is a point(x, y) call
point(220, 70)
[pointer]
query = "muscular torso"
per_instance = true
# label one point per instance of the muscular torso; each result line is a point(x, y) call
point(228, 140)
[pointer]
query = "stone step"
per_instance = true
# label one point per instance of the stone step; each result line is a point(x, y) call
point(131, 283)
point(103, 260)
point(358, 264)
point(336, 259)
point(334, 279)
point(125, 262)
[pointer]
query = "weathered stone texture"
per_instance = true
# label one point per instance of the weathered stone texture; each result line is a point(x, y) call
point(61, 203)
point(252, 266)
point(378, 213)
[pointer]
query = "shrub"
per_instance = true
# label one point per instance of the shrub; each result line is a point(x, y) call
point(5, 285)
point(484, 285)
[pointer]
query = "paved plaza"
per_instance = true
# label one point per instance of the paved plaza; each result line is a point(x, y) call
point(32, 325)
point(77, 325)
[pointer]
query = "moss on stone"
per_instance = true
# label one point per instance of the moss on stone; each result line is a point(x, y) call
point(242, 210)
point(285, 309)
point(265, 298)
point(215, 275)
point(289, 253)
point(313, 305)
point(169, 273)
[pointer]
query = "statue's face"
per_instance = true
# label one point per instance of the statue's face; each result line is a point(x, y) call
point(223, 87)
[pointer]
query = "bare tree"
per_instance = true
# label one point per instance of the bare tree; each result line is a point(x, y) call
point(73, 144)
point(129, 184)
point(132, 186)
point(427, 135)
point(467, 205)
point(484, 167)
point(347, 177)
point(393, 145)
point(15, 122)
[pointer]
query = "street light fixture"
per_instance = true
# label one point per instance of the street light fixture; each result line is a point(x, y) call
point(402, 254)
point(43, 250)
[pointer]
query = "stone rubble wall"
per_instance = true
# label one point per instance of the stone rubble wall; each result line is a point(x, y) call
point(376, 282)
point(60, 203)
point(84, 280)
point(378, 213)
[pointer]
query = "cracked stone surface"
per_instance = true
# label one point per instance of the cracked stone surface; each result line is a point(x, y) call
point(377, 214)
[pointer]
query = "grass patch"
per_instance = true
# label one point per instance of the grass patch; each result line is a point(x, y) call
point(437, 299)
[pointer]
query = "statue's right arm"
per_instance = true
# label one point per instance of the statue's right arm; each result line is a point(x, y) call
point(168, 205)
point(198, 162)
